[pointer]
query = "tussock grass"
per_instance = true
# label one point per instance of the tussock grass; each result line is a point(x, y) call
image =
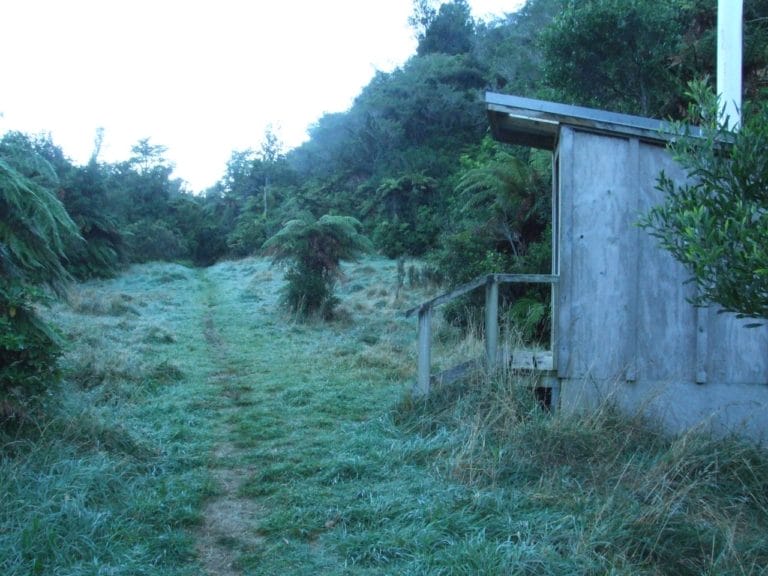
point(93, 302)
point(81, 495)
point(629, 500)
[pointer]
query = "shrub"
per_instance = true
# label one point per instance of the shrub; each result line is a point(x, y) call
point(248, 236)
point(28, 348)
point(715, 223)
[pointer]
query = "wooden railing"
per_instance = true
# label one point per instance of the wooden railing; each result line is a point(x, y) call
point(491, 283)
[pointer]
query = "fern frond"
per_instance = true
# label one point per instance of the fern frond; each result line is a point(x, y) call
point(34, 228)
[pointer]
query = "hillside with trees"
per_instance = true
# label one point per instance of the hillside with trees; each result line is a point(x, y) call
point(396, 158)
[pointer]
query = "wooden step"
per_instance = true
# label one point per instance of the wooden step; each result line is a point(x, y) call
point(518, 359)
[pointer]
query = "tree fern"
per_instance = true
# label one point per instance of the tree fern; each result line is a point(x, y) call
point(503, 196)
point(34, 231)
point(84, 195)
point(34, 227)
point(313, 252)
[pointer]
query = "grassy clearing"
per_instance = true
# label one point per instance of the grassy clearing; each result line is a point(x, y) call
point(206, 431)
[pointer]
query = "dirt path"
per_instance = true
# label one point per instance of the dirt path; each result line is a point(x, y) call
point(301, 457)
point(230, 522)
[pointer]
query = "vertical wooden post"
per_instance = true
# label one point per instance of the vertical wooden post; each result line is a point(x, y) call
point(491, 320)
point(566, 252)
point(554, 310)
point(554, 291)
point(425, 351)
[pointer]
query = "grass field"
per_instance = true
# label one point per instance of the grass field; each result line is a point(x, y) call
point(201, 430)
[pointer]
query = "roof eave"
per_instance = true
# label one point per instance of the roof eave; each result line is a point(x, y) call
point(537, 123)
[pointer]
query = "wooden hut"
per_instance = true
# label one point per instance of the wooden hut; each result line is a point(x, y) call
point(622, 321)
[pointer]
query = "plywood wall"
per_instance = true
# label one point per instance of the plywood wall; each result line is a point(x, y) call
point(624, 323)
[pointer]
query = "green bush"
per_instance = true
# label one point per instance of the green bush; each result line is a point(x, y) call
point(715, 224)
point(308, 292)
point(399, 238)
point(249, 235)
point(390, 238)
point(208, 245)
point(28, 348)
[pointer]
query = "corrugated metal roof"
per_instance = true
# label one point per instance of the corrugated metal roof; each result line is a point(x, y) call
point(536, 123)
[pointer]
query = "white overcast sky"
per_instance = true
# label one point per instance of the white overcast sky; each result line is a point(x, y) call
point(201, 77)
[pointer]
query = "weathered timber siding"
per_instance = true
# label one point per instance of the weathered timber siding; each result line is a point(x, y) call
point(666, 321)
point(624, 323)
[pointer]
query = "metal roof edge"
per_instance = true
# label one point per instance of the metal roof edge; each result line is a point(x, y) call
point(526, 116)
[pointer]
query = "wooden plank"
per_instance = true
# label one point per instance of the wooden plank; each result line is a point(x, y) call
point(604, 217)
point(544, 360)
point(554, 310)
point(555, 112)
point(517, 119)
point(633, 281)
point(522, 359)
point(526, 278)
point(564, 319)
point(554, 303)
point(480, 281)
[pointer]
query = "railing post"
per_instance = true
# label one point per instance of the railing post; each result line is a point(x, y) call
point(425, 351)
point(491, 320)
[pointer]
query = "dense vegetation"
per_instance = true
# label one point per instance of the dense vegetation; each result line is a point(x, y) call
point(716, 224)
point(34, 234)
point(313, 252)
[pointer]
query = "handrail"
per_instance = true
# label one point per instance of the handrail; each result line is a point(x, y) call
point(491, 283)
point(482, 281)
